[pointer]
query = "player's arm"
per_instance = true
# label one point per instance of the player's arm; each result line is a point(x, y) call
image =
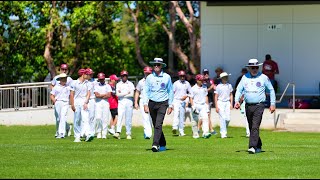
point(136, 98)
point(52, 97)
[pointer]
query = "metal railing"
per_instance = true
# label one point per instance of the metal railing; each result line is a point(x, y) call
point(26, 96)
point(275, 116)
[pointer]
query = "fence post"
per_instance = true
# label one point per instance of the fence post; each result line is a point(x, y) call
point(16, 99)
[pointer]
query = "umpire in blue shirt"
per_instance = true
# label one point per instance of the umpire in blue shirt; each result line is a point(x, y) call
point(253, 85)
point(158, 91)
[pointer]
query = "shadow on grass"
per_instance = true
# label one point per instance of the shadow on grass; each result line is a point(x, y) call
point(160, 151)
point(246, 151)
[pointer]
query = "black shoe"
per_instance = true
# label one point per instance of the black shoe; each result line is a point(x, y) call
point(155, 148)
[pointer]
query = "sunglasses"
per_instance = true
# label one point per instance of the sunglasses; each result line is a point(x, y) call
point(254, 67)
point(64, 69)
point(157, 64)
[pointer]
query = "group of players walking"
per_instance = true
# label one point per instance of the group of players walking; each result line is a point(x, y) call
point(101, 108)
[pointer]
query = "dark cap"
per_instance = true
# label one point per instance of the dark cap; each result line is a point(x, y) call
point(205, 70)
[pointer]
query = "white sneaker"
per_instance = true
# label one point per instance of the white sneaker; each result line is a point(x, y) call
point(117, 135)
point(182, 134)
point(104, 137)
point(196, 136)
point(224, 136)
point(248, 135)
point(111, 131)
point(251, 150)
point(129, 137)
point(99, 135)
point(89, 138)
point(77, 140)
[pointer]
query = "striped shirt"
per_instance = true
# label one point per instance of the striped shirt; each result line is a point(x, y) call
point(254, 87)
point(158, 88)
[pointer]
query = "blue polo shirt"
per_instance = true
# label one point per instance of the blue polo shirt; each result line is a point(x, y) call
point(158, 88)
point(254, 87)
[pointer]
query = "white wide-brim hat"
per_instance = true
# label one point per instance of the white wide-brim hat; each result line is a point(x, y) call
point(224, 74)
point(158, 60)
point(253, 62)
point(62, 75)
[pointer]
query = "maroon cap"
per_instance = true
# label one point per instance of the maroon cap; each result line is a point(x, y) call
point(81, 72)
point(64, 66)
point(89, 71)
point(124, 72)
point(101, 76)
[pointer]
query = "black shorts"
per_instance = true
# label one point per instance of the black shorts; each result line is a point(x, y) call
point(114, 112)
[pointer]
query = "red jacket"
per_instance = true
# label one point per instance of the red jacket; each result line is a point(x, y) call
point(113, 99)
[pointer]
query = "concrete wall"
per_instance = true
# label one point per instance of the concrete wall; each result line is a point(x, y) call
point(231, 35)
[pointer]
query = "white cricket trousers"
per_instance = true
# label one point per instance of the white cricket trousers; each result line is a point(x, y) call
point(146, 120)
point(61, 113)
point(102, 117)
point(92, 122)
point(224, 115)
point(81, 119)
point(243, 111)
point(125, 108)
point(202, 115)
point(179, 111)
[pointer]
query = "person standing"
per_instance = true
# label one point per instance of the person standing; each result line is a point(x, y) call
point(224, 103)
point(60, 96)
point(79, 99)
point(125, 92)
point(181, 88)
point(211, 86)
point(200, 108)
point(242, 103)
point(253, 86)
point(270, 68)
point(146, 118)
point(158, 93)
point(102, 92)
point(113, 102)
point(55, 81)
point(92, 101)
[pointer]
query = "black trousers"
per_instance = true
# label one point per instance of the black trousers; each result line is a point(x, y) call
point(157, 112)
point(254, 114)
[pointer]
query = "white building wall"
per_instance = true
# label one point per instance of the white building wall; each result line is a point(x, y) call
point(231, 35)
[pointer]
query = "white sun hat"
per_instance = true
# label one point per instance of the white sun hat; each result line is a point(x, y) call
point(253, 62)
point(224, 74)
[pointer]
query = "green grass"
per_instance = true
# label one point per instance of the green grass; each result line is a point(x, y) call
point(33, 152)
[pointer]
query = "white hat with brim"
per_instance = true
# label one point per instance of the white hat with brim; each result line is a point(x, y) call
point(158, 60)
point(253, 62)
point(224, 74)
point(62, 75)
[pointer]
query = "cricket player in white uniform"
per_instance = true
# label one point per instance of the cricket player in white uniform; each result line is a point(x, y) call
point(60, 96)
point(223, 100)
point(92, 101)
point(55, 81)
point(200, 107)
point(181, 89)
point(79, 100)
point(146, 118)
point(102, 91)
point(125, 92)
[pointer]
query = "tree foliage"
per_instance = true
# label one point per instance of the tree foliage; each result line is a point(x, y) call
point(37, 36)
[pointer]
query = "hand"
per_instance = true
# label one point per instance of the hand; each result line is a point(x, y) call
point(272, 108)
point(217, 109)
point(146, 108)
point(231, 107)
point(73, 108)
point(136, 106)
point(237, 105)
point(85, 106)
point(169, 110)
